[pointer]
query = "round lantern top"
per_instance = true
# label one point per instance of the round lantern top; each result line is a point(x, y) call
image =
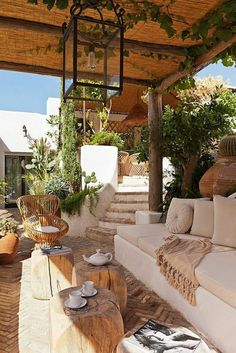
point(81, 5)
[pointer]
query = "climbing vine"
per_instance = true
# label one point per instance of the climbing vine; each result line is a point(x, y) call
point(217, 26)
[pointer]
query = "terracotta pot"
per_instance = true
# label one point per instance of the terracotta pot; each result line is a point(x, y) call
point(220, 178)
point(9, 245)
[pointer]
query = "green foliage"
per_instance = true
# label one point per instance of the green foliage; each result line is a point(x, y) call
point(106, 138)
point(42, 165)
point(142, 147)
point(70, 141)
point(54, 121)
point(57, 186)
point(174, 187)
point(43, 160)
point(3, 186)
point(8, 225)
point(217, 26)
point(73, 203)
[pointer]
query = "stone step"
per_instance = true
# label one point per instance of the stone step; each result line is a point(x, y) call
point(100, 234)
point(128, 214)
point(127, 205)
point(133, 188)
point(112, 223)
point(131, 196)
point(134, 181)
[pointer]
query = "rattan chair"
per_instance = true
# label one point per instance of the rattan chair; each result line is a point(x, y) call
point(38, 214)
point(124, 164)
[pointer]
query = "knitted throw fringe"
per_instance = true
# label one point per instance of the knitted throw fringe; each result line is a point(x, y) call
point(178, 259)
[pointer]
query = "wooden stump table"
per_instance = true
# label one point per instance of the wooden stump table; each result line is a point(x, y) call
point(96, 328)
point(110, 276)
point(51, 272)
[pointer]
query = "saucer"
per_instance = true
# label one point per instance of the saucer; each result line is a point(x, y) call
point(71, 306)
point(94, 292)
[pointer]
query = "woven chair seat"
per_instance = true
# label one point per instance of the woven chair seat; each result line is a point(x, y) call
point(39, 219)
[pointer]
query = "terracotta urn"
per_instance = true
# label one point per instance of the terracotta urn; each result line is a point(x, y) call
point(221, 177)
point(9, 245)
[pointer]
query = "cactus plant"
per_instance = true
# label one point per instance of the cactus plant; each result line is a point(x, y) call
point(227, 146)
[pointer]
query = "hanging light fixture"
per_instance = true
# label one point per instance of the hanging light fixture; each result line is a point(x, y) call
point(93, 51)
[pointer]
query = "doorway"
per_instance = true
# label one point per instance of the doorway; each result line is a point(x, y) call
point(14, 172)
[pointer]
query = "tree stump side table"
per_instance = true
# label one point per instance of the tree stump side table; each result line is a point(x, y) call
point(96, 328)
point(110, 276)
point(51, 272)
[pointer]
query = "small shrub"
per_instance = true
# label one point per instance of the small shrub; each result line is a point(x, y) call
point(107, 139)
point(73, 203)
point(8, 225)
point(58, 186)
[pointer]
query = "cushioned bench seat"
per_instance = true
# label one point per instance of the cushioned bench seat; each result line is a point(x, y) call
point(210, 273)
point(134, 233)
point(216, 273)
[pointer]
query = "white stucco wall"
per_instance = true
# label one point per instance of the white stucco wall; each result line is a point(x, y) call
point(53, 105)
point(103, 160)
point(12, 140)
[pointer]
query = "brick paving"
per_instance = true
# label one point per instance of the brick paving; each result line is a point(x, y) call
point(24, 324)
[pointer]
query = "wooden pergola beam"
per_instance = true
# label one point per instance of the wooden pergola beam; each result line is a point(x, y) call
point(42, 70)
point(201, 62)
point(129, 44)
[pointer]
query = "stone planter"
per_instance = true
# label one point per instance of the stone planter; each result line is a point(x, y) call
point(9, 245)
point(220, 178)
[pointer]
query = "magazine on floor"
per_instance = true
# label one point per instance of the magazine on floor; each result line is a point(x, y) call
point(156, 338)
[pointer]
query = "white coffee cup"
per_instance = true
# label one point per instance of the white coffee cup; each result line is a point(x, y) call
point(75, 298)
point(88, 287)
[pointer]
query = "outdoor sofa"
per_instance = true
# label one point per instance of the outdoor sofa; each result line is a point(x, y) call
point(214, 314)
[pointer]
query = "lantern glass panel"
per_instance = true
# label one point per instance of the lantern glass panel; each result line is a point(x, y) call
point(98, 60)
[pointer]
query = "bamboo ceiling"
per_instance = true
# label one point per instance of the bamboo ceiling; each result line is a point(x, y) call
point(29, 36)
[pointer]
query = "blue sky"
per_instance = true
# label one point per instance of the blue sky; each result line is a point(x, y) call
point(28, 93)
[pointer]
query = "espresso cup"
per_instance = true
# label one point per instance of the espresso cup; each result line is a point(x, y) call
point(88, 287)
point(75, 298)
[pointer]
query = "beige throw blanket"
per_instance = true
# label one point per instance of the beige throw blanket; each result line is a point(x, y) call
point(178, 259)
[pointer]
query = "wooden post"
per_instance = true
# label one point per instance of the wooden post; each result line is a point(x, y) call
point(155, 158)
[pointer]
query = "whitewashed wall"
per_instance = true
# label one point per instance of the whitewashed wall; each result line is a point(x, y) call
point(12, 140)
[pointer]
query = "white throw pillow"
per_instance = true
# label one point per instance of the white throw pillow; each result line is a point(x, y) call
point(203, 219)
point(224, 221)
point(180, 219)
point(47, 229)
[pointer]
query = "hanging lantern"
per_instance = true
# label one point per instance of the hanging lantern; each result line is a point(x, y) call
point(93, 51)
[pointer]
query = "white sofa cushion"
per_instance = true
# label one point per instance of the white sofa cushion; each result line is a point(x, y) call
point(224, 221)
point(180, 219)
point(134, 232)
point(152, 243)
point(216, 273)
point(176, 203)
point(203, 219)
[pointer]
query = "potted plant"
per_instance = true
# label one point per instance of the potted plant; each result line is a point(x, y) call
point(9, 240)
